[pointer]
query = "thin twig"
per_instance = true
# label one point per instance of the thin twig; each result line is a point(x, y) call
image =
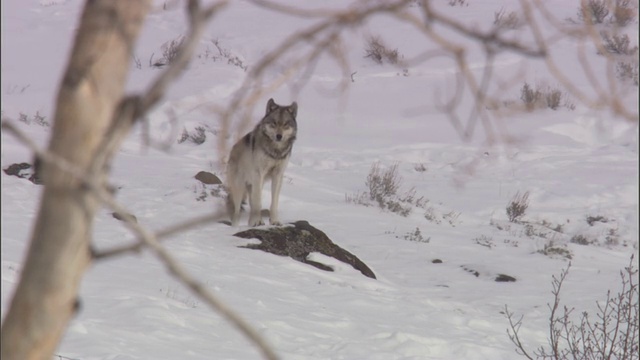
point(162, 234)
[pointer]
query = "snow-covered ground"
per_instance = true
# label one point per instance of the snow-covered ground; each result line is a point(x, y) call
point(574, 164)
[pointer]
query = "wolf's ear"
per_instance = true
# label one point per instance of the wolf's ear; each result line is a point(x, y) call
point(271, 105)
point(293, 109)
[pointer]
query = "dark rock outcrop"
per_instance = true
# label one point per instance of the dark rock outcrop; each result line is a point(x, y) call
point(505, 278)
point(498, 278)
point(124, 217)
point(298, 241)
point(208, 178)
point(24, 171)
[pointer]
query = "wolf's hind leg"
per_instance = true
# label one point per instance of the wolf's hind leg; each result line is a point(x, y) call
point(233, 205)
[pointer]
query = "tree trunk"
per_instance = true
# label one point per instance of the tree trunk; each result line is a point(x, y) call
point(58, 255)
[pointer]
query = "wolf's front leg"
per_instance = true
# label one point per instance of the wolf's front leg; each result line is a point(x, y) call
point(276, 185)
point(255, 202)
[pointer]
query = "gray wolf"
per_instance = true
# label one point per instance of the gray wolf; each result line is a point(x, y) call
point(262, 154)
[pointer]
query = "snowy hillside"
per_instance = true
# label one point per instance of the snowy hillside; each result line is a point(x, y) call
point(579, 167)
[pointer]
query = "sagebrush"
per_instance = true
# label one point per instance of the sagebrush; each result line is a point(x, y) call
point(383, 190)
point(611, 334)
point(518, 206)
point(377, 51)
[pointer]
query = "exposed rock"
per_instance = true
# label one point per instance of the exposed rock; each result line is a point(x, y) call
point(34, 178)
point(123, 217)
point(208, 178)
point(15, 169)
point(436, 261)
point(498, 278)
point(298, 241)
point(24, 171)
point(505, 278)
point(471, 271)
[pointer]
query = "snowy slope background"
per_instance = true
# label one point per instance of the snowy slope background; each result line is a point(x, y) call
point(575, 164)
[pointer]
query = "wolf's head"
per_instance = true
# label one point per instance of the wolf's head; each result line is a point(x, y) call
point(279, 122)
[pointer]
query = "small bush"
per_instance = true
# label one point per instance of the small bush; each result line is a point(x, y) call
point(485, 241)
point(617, 44)
point(383, 187)
point(359, 198)
point(551, 249)
point(530, 96)
point(202, 191)
point(581, 240)
point(538, 98)
point(226, 54)
point(452, 217)
point(170, 51)
point(627, 71)
point(517, 207)
point(430, 214)
point(531, 231)
point(410, 197)
point(383, 184)
point(504, 20)
point(379, 53)
point(415, 236)
point(593, 11)
point(612, 238)
point(553, 98)
point(37, 119)
point(597, 218)
point(420, 167)
point(198, 136)
point(458, 3)
point(624, 13)
point(395, 206)
point(611, 334)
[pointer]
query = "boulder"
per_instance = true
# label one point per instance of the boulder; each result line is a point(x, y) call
point(208, 178)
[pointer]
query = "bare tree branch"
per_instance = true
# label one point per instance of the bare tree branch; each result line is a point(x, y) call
point(148, 239)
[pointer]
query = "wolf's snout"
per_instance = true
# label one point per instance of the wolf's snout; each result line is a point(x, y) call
point(278, 137)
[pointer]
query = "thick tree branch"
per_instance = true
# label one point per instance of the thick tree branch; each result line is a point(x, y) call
point(58, 254)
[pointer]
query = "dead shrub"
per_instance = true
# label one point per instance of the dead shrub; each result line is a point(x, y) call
point(617, 44)
point(383, 184)
point(530, 96)
point(504, 20)
point(458, 3)
point(627, 71)
point(548, 97)
point(415, 236)
point(198, 136)
point(377, 51)
point(624, 13)
point(170, 51)
point(581, 240)
point(611, 334)
point(383, 190)
point(553, 98)
point(593, 11)
point(518, 206)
